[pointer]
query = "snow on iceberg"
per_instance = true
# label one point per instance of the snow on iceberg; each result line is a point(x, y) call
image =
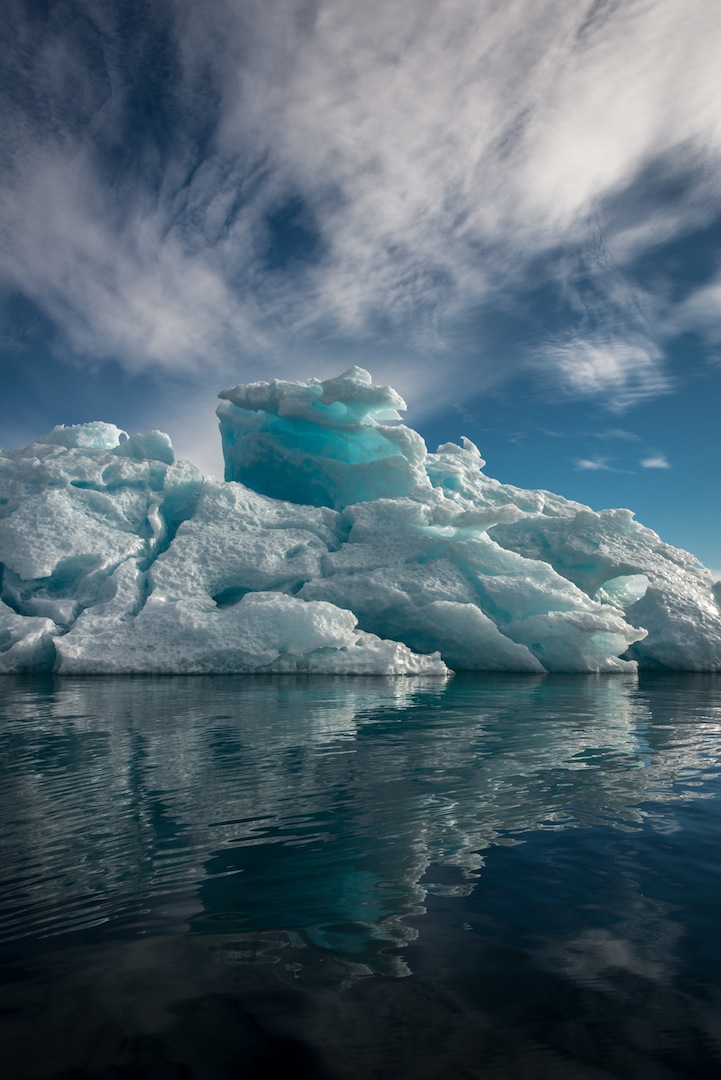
point(336, 544)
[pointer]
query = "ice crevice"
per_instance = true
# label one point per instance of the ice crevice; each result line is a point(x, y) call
point(335, 543)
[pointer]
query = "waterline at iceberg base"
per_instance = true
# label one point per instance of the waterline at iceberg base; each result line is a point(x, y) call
point(335, 545)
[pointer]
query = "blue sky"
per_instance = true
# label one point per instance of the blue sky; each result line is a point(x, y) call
point(509, 211)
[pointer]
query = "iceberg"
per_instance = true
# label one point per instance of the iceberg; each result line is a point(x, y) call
point(336, 544)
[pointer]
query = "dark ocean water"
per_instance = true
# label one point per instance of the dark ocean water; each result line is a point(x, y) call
point(494, 876)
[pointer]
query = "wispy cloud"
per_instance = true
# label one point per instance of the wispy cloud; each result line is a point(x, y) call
point(466, 416)
point(700, 311)
point(440, 155)
point(655, 461)
point(616, 433)
point(619, 373)
point(595, 464)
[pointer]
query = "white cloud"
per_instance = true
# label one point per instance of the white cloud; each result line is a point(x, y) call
point(655, 461)
point(616, 433)
point(621, 373)
point(699, 311)
point(440, 149)
point(132, 291)
point(594, 464)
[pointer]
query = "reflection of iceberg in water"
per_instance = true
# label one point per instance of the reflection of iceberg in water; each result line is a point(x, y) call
point(322, 809)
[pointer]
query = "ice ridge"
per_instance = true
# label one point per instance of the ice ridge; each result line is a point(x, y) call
point(335, 544)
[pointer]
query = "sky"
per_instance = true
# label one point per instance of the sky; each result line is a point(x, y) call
point(509, 210)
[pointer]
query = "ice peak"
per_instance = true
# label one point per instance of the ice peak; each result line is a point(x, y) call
point(324, 443)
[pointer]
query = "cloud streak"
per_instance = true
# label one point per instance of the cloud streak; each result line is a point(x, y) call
point(620, 373)
point(655, 461)
point(443, 157)
point(595, 464)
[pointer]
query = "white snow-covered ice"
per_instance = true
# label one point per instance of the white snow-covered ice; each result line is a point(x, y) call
point(335, 544)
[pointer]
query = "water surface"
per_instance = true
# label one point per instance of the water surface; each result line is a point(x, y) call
point(492, 876)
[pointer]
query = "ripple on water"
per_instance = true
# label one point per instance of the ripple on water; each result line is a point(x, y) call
point(527, 861)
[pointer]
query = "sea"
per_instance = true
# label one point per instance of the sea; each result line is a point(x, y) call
point(487, 876)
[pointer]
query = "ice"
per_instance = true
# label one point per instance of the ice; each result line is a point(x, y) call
point(320, 442)
point(263, 632)
point(95, 436)
point(336, 544)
